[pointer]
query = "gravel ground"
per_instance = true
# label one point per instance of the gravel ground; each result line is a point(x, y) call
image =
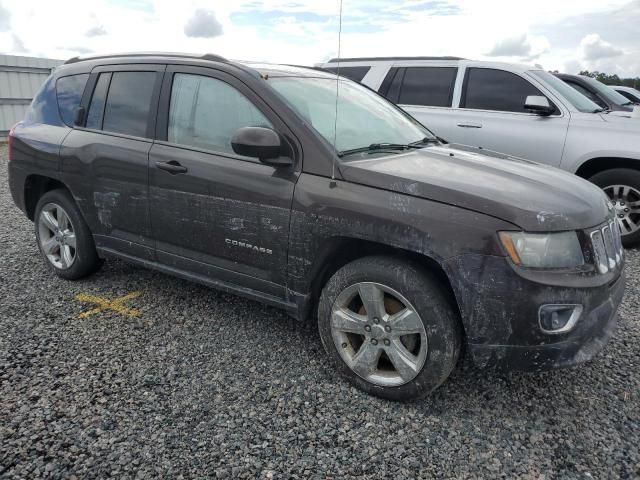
point(209, 384)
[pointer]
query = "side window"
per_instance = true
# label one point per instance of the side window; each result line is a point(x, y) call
point(353, 73)
point(44, 106)
point(98, 100)
point(128, 103)
point(205, 113)
point(390, 87)
point(69, 92)
point(428, 86)
point(628, 95)
point(591, 96)
point(489, 89)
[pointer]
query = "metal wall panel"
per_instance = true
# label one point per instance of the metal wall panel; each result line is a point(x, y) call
point(20, 79)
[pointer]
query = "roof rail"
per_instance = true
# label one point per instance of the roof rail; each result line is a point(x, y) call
point(207, 56)
point(363, 59)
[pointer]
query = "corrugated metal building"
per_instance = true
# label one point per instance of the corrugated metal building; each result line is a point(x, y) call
point(20, 79)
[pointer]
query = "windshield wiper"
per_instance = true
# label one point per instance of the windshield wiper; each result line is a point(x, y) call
point(374, 147)
point(390, 146)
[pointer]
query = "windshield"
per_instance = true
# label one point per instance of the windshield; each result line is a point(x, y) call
point(608, 93)
point(364, 118)
point(575, 98)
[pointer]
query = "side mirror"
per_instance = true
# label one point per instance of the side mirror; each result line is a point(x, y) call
point(261, 143)
point(539, 105)
point(78, 117)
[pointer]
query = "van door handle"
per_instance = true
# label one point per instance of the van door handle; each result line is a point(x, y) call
point(470, 125)
point(172, 167)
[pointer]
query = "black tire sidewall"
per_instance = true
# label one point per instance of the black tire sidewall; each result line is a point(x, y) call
point(439, 317)
point(620, 176)
point(86, 261)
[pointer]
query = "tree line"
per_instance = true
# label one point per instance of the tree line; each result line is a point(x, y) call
point(612, 79)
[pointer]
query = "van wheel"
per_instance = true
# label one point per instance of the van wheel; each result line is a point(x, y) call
point(389, 328)
point(622, 186)
point(63, 236)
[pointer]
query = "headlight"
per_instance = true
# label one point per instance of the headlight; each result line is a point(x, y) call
point(543, 250)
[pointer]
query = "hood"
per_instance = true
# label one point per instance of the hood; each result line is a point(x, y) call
point(529, 195)
point(616, 115)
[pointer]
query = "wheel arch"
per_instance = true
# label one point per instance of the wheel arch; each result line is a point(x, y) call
point(600, 164)
point(34, 187)
point(336, 252)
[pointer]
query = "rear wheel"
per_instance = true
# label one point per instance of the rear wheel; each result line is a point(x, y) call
point(389, 328)
point(622, 186)
point(63, 236)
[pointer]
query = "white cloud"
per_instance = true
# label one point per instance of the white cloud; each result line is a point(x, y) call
point(523, 47)
point(203, 24)
point(5, 19)
point(595, 48)
point(96, 31)
point(305, 31)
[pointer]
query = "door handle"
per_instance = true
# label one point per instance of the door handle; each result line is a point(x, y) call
point(172, 167)
point(470, 125)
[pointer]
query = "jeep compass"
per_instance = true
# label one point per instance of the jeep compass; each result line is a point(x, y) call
point(312, 193)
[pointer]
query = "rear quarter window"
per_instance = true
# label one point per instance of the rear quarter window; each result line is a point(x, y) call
point(69, 93)
point(44, 107)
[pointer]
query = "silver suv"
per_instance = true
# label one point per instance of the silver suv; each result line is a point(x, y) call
point(519, 110)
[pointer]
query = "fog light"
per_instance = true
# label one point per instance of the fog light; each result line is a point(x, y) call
point(556, 319)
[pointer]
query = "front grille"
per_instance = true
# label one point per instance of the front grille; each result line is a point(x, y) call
point(607, 247)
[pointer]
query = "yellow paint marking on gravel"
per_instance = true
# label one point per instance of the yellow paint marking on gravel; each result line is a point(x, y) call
point(104, 304)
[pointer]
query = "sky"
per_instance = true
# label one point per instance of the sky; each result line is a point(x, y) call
point(564, 35)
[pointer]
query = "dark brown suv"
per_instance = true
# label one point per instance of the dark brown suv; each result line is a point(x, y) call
point(405, 249)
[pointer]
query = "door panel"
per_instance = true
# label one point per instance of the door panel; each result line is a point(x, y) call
point(492, 116)
point(109, 175)
point(212, 210)
point(528, 136)
point(108, 170)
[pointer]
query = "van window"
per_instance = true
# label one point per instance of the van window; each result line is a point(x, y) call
point(428, 86)
point(353, 73)
point(205, 112)
point(490, 89)
point(390, 88)
point(129, 102)
point(69, 92)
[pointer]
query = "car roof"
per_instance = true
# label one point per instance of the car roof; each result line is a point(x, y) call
point(262, 68)
point(625, 88)
point(206, 56)
point(278, 70)
point(518, 67)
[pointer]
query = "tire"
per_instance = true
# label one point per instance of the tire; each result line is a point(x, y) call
point(366, 349)
point(67, 258)
point(622, 186)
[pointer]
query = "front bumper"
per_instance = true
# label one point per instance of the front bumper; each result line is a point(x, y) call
point(499, 309)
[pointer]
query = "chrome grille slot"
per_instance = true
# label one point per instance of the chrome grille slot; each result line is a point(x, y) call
point(597, 241)
point(617, 238)
point(609, 247)
point(606, 242)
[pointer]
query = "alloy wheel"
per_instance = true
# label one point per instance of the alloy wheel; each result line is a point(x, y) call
point(626, 202)
point(379, 334)
point(57, 236)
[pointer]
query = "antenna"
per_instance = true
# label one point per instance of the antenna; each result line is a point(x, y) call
point(335, 125)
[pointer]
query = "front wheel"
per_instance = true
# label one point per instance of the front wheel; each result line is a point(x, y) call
point(389, 328)
point(622, 186)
